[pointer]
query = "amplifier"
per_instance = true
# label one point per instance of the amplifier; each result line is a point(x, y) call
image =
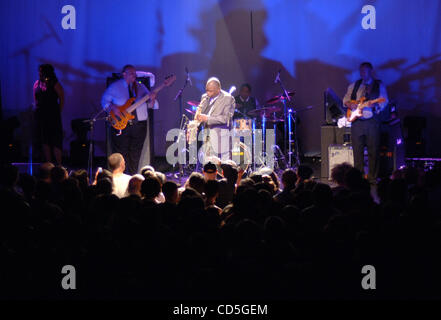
point(329, 135)
point(338, 154)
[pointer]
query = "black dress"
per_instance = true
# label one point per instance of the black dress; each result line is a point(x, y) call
point(48, 116)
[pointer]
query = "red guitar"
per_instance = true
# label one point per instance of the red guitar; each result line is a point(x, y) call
point(127, 108)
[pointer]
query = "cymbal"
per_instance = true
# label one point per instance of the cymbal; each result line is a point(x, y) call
point(264, 112)
point(279, 98)
point(193, 103)
point(274, 119)
point(190, 111)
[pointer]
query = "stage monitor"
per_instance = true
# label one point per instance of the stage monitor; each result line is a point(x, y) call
point(333, 107)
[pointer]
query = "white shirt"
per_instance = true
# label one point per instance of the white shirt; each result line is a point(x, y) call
point(120, 184)
point(118, 93)
point(211, 102)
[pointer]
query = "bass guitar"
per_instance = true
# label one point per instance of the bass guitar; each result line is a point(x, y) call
point(120, 122)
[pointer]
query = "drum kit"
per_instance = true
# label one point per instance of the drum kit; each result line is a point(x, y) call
point(247, 124)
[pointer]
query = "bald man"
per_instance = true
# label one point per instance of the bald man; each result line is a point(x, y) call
point(217, 110)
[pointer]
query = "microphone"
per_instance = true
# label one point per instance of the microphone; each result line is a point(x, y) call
point(232, 89)
point(278, 76)
point(207, 97)
point(188, 77)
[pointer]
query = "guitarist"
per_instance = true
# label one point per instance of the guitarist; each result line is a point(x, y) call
point(129, 142)
point(365, 130)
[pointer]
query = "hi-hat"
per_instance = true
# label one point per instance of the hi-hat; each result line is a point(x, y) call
point(193, 103)
point(274, 119)
point(264, 112)
point(279, 98)
point(190, 111)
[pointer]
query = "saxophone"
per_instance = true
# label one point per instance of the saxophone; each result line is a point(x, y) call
point(192, 127)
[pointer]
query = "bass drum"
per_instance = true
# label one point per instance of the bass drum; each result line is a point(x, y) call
point(243, 124)
point(240, 154)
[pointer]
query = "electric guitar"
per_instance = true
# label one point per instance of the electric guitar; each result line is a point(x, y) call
point(356, 113)
point(120, 123)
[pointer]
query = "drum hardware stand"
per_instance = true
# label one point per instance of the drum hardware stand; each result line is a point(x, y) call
point(293, 118)
point(253, 137)
point(279, 156)
point(264, 137)
point(278, 153)
point(286, 118)
point(183, 124)
point(181, 127)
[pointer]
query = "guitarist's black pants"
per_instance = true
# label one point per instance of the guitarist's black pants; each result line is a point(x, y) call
point(130, 144)
point(366, 133)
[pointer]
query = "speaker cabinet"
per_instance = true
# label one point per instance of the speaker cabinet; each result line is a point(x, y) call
point(330, 135)
point(392, 148)
point(338, 154)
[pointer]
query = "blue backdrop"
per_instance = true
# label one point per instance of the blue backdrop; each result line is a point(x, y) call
point(316, 43)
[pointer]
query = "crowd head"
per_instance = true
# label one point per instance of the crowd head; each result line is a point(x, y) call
point(222, 233)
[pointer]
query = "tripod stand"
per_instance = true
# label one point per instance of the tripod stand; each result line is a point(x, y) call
point(293, 119)
point(181, 136)
point(184, 121)
point(91, 123)
point(288, 115)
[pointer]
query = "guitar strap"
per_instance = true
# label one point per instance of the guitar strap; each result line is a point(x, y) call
point(371, 93)
point(131, 95)
point(354, 91)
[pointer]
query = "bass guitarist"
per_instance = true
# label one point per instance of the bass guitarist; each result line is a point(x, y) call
point(130, 141)
point(365, 130)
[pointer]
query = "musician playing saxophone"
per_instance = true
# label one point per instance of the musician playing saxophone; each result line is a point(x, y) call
point(216, 113)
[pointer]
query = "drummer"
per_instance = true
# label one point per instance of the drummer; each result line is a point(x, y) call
point(245, 102)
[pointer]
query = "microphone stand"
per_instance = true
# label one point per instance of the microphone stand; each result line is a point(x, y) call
point(287, 136)
point(179, 96)
point(242, 114)
point(91, 123)
point(184, 121)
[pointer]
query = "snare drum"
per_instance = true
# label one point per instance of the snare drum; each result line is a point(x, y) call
point(241, 156)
